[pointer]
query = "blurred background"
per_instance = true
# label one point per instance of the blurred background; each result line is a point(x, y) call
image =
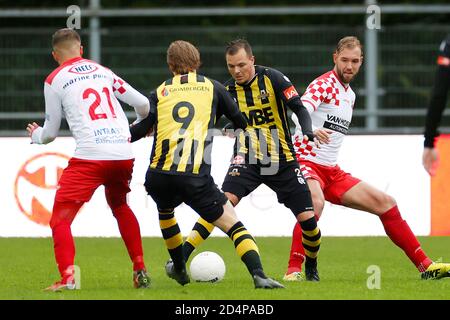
point(296, 37)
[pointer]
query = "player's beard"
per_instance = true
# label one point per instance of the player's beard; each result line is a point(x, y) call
point(345, 77)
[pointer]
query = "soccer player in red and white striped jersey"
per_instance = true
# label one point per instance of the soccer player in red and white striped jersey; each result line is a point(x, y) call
point(87, 94)
point(330, 101)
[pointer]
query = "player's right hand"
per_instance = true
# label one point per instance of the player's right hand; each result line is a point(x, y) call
point(323, 135)
point(31, 127)
point(430, 160)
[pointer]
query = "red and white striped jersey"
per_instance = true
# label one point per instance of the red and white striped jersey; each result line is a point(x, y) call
point(330, 104)
point(86, 93)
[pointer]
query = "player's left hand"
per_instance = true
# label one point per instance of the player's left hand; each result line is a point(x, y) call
point(323, 135)
point(31, 127)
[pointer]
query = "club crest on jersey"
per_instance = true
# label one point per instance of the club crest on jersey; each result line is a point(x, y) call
point(164, 92)
point(263, 95)
point(234, 173)
point(83, 68)
point(290, 92)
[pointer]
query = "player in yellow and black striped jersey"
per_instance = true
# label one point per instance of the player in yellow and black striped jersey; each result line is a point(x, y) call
point(264, 101)
point(183, 111)
point(187, 106)
point(264, 152)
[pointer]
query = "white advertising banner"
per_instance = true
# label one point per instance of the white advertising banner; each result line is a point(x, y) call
point(30, 174)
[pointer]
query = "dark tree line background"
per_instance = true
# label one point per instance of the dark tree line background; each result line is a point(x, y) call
point(241, 20)
point(135, 48)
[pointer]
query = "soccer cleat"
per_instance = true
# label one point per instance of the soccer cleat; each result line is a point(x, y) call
point(141, 280)
point(436, 271)
point(311, 274)
point(294, 276)
point(63, 284)
point(266, 283)
point(179, 276)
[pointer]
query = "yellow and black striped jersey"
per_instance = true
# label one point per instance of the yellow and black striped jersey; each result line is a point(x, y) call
point(184, 110)
point(263, 102)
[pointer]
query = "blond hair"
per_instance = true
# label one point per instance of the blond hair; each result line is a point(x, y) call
point(349, 42)
point(183, 57)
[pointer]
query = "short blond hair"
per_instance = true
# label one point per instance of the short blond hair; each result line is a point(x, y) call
point(183, 57)
point(349, 42)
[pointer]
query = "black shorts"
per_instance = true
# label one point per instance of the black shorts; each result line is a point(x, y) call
point(200, 193)
point(287, 182)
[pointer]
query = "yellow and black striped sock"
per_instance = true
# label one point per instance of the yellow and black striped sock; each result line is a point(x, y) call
point(311, 241)
point(201, 231)
point(246, 249)
point(172, 236)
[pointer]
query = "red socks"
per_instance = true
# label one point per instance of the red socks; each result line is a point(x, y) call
point(62, 217)
point(297, 254)
point(399, 232)
point(131, 234)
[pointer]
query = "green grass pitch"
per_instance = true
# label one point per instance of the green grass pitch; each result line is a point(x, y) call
point(27, 266)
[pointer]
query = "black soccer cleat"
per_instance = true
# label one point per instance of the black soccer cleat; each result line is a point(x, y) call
point(141, 280)
point(179, 276)
point(266, 283)
point(311, 274)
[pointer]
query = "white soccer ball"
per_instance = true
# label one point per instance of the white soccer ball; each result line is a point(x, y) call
point(207, 267)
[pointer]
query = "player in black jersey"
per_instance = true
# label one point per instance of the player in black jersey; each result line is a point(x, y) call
point(264, 152)
point(183, 110)
point(438, 101)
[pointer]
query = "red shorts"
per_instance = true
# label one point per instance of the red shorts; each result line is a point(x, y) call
point(333, 180)
point(81, 178)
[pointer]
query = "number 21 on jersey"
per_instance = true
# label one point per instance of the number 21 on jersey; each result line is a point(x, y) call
point(93, 112)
